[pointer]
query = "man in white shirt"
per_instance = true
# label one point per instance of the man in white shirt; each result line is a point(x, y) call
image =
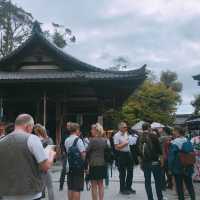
point(125, 161)
point(25, 165)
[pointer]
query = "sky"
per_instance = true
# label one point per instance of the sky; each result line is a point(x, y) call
point(164, 34)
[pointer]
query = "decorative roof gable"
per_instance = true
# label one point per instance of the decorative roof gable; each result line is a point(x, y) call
point(38, 46)
point(37, 58)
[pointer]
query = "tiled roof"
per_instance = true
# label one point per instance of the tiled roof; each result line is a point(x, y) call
point(55, 75)
point(38, 36)
point(80, 70)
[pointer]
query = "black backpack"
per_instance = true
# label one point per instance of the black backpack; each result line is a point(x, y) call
point(76, 163)
point(147, 148)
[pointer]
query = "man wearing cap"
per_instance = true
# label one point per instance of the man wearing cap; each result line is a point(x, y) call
point(150, 153)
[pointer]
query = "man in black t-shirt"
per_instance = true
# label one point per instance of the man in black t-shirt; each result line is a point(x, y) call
point(150, 153)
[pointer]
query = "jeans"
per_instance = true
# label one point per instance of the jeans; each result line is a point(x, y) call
point(49, 185)
point(125, 167)
point(63, 172)
point(179, 179)
point(148, 169)
point(169, 182)
point(164, 182)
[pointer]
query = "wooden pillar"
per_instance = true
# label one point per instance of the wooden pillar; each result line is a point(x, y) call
point(37, 115)
point(58, 122)
point(64, 111)
point(1, 109)
point(100, 113)
point(44, 108)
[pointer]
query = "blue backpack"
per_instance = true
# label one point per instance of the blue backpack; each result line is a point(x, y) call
point(187, 155)
point(76, 163)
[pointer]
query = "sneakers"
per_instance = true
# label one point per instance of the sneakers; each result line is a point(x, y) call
point(132, 191)
point(125, 192)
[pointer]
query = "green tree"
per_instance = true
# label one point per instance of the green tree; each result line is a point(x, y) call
point(16, 25)
point(196, 104)
point(61, 35)
point(152, 102)
point(59, 40)
point(170, 79)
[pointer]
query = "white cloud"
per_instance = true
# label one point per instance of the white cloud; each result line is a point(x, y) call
point(164, 34)
point(186, 106)
point(163, 9)
point(84, 35)
point(152, 56)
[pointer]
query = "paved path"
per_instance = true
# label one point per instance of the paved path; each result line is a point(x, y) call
point(112, 192)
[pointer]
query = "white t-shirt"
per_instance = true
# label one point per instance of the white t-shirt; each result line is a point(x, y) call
point(86, 142)
point(132, 139)
point(70, 140)
point(120, 138)
point(36, 148)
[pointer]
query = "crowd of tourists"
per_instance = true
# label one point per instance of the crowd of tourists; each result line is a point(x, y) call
point(27, 153)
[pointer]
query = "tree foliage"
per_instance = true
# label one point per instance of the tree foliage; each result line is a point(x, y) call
point(59, 40)
point(196, 104)
point(152, 102)
point(61, 35)
point(16, 25)
point(170, 79)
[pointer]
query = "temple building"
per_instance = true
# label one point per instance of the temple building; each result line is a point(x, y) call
point(197, 78)
point(40, 79)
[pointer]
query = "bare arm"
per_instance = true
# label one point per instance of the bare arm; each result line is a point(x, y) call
point(47, 164)
point(83, 155)
point(121, 146)
point(44, 157)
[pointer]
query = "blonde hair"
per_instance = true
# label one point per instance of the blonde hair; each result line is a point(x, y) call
point(100, 130)
point(40, 131)
point(73, 127)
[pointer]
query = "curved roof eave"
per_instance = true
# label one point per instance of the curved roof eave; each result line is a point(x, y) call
point(37, 34)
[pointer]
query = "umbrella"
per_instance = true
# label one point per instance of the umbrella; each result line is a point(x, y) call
point(157, 125)
point(138, 126)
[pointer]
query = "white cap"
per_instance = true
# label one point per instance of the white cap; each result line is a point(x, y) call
point(157, 125)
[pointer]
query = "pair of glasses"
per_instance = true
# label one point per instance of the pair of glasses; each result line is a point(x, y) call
point(125, 127)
